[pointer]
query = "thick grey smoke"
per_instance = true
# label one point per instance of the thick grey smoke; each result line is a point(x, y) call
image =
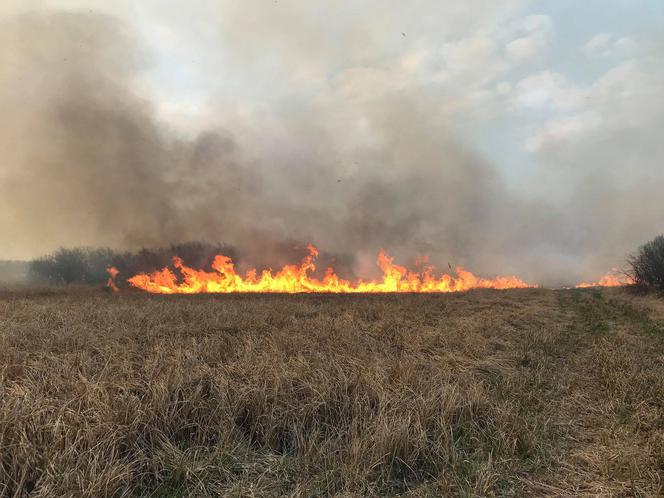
point(87, 162)
point(84, 160)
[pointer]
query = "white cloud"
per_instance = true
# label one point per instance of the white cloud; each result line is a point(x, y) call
point(546, 90)
point(524, 48)
point(627, 97)
point(474, 57)
point(562, 129)
point(606, 45)
point(503, 88)
point(536, 36)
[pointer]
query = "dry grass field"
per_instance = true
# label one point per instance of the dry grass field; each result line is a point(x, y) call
point(488, 393)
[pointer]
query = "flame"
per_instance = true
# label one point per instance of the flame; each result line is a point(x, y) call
point(614, 278)
point(296, 279)
point(112, 274)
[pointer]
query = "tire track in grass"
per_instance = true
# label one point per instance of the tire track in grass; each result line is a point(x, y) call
point(614, 403)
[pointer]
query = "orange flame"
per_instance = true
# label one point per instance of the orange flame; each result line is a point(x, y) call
point(295, 279)
point(112, 273)
point(615, 278)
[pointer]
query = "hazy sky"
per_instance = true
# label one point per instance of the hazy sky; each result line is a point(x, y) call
point(554, 109)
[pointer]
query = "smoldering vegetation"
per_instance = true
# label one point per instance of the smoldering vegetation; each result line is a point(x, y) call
point(518, 393)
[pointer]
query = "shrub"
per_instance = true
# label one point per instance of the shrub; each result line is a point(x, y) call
point(64, 266)
point(13, 271)
point(647, 266)
point(88, 265)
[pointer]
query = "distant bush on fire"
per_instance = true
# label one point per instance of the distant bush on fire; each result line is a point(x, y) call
point(85, 265)
point(647, 266)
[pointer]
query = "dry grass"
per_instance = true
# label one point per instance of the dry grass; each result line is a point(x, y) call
point(527, 392)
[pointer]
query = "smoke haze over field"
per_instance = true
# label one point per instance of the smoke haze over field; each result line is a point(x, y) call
point(477, 135)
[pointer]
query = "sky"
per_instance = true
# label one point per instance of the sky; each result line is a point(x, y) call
point(546, 115)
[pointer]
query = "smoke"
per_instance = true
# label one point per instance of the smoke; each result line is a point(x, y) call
point(85, 160)
point(88, 161)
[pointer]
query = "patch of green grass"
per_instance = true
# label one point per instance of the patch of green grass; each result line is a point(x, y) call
point(646, 324)
point(595, 314)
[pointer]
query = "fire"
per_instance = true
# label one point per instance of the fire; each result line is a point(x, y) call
point(112, 274)
point(297, 278)
point(615, 278)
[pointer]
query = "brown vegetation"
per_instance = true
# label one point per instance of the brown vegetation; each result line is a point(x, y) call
point(488, 393)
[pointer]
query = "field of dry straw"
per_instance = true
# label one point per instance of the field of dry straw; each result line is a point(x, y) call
point(489, 393)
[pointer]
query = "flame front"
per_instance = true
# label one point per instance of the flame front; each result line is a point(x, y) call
point(615, 278)
point(296, 279)
point(112, 274)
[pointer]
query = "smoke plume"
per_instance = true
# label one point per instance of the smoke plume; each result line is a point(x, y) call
point(88, 161)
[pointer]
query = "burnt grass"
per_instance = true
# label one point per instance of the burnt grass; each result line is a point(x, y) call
point(487, 393)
